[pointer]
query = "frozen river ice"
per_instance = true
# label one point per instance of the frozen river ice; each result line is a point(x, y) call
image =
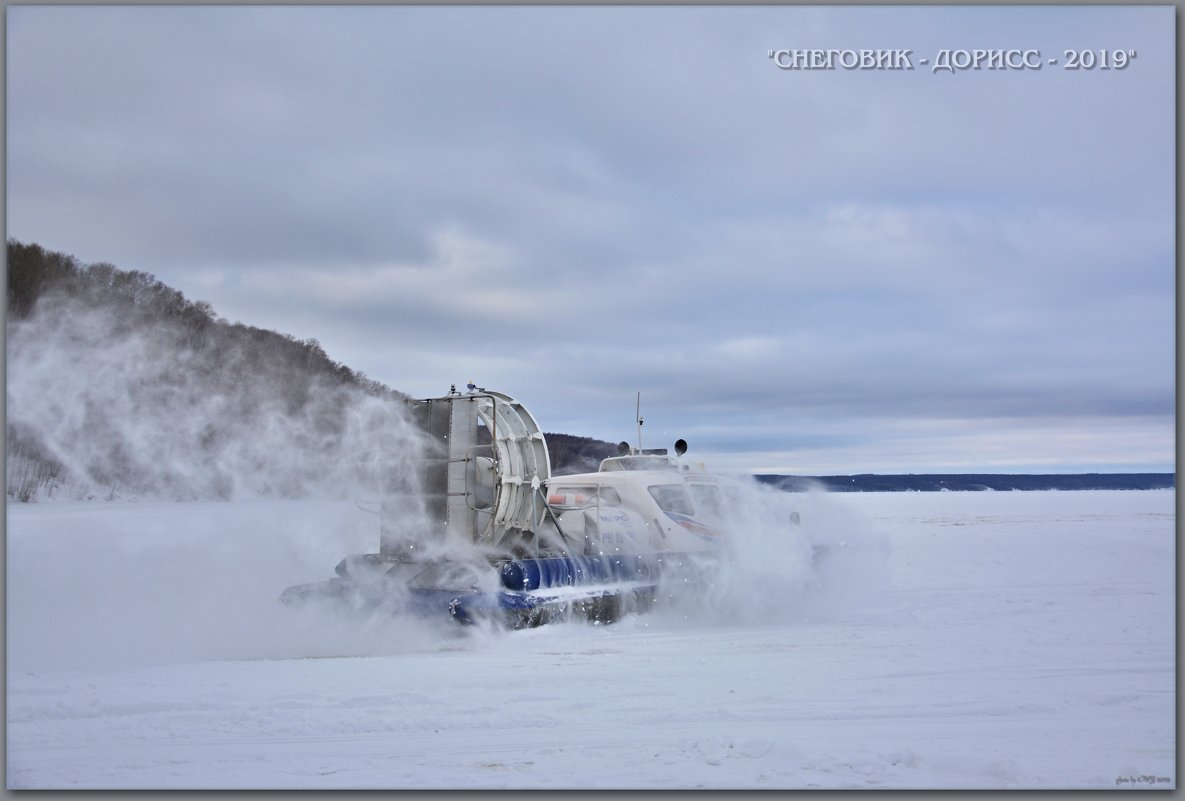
point(997, 640)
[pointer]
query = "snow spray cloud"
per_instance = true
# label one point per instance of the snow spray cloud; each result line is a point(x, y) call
point(130, 584)
point(151, 582)
point(789, 557)
point(137, 411)
point(145, 411)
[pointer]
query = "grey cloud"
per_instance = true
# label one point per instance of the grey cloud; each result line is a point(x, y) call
point(636, 199)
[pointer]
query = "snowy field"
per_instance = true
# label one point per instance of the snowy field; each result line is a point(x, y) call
point(969, 640)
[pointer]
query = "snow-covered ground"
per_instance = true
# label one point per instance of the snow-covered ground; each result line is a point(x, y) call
point(970, 640)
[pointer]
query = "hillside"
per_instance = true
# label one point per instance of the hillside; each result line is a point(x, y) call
point(120, 386)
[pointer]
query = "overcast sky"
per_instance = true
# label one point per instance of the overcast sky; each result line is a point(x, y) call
point(802, 271)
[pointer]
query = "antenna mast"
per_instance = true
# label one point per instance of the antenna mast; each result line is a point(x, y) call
point(638, 416)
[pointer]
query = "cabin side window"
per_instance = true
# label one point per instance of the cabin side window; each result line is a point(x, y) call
point(709, 499)
point(672, 498)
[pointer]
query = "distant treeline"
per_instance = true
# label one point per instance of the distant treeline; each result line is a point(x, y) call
point(974, 482)
point(570, 454)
